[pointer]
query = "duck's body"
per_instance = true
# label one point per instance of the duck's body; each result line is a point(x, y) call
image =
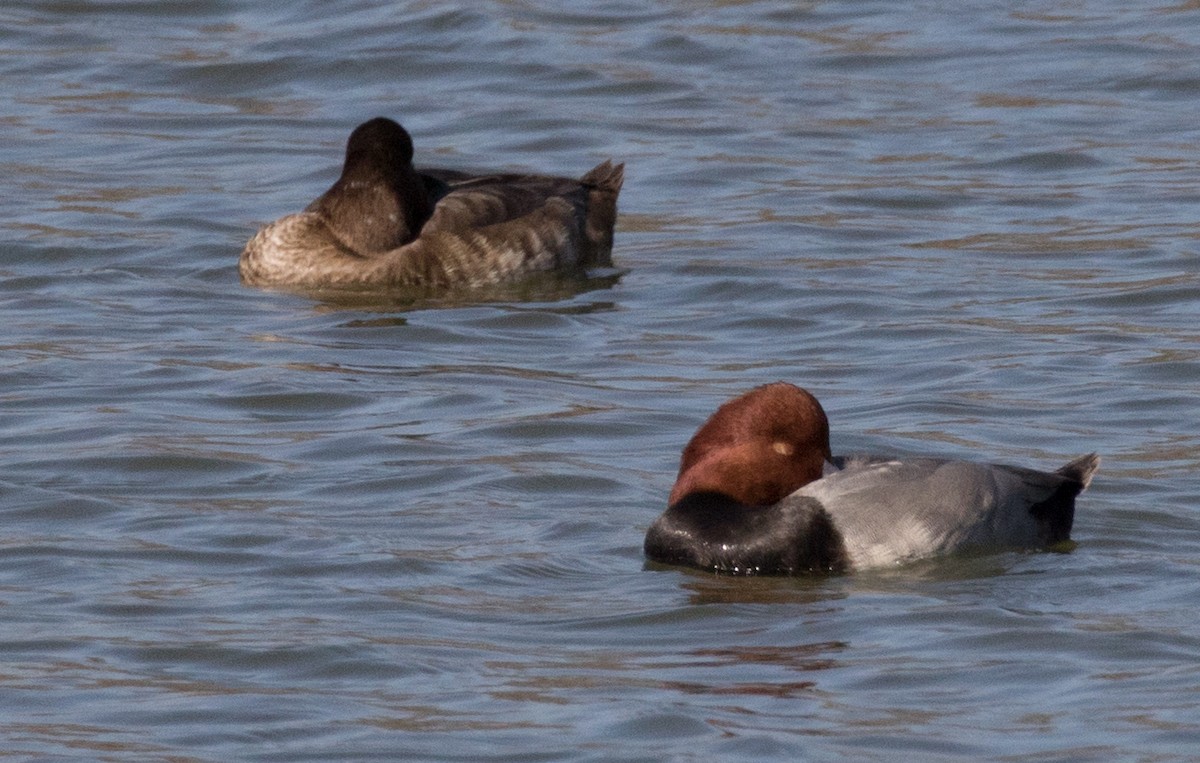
point(860, 513)
point(384, 224)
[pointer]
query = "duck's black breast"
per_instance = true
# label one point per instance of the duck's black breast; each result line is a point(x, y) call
point(713, 532)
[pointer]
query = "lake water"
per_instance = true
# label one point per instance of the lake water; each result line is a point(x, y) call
point(251, 525)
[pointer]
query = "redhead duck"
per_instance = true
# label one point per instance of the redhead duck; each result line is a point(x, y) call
point(385, 224)
point(759, 493)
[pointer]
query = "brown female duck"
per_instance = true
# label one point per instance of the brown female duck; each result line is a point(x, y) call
point(386, 224)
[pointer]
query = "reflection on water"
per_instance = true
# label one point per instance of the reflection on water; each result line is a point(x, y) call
point(549, 288)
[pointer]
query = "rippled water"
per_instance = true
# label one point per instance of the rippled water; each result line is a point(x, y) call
point(250, 525)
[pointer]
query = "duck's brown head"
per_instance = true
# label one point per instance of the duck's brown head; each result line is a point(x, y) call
point(757, 448)
point(380, 202)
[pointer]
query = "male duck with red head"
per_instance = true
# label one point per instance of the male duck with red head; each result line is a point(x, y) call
point(758, 492)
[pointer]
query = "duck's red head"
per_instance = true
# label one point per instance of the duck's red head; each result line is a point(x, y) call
point(757, 448)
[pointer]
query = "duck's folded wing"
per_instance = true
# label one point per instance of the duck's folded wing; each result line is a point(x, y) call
point(892, 511)
point(488, 228)
point(475, 202)
point(543, 239)
point(527, 222)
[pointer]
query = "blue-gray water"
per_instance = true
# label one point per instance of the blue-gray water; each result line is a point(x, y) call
point(248, 525)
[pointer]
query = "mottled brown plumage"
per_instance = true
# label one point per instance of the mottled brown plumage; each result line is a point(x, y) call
point(384, 224)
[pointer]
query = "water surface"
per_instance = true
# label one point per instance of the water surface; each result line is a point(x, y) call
point(254, 525)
